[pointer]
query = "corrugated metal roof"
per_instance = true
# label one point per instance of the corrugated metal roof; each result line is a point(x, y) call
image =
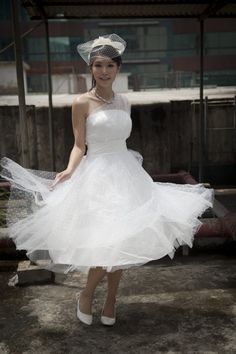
point(71, 9)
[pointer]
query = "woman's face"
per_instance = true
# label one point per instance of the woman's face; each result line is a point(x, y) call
point(104, 71)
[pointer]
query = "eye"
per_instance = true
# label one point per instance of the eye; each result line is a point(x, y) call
point(111, 65)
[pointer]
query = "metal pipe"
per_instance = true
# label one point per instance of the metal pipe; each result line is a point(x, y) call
point(216, 104)
point(20, 82)
point(205, 154)
point(234, 108)
point(21, 36)
point(201, 107)
point(193, 111)
point(50, 106)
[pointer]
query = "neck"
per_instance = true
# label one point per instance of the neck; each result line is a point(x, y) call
point(106, 93)
point(101, 96)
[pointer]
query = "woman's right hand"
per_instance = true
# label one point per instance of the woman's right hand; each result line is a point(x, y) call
point(61, 177)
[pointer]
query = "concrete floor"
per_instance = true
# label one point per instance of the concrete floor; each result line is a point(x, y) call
point(183, 306)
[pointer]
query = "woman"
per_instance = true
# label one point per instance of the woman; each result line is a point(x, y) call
point(103, 213)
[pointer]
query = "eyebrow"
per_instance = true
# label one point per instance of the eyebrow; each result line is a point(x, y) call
point(101, 62)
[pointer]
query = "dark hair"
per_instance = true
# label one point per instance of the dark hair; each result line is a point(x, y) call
point(104, 51)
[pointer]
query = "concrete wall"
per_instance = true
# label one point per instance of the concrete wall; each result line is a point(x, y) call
point(71, 83)
point(64, 83)
point(166, 134)
point(8, 83)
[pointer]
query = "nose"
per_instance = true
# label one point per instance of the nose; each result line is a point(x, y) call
point(104, 69)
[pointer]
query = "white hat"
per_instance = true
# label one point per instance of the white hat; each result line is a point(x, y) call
point(110, 45)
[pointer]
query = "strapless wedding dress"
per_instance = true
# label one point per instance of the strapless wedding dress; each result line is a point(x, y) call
point(110, 213)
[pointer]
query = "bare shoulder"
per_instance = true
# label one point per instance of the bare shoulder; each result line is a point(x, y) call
point(81, 100)
point(81, 104)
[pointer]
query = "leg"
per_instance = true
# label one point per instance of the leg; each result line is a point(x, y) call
point(113, 284)
point(95, 275)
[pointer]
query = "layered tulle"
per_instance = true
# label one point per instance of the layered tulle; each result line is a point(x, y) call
point(109, 213)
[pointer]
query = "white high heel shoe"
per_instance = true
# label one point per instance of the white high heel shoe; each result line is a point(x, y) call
point(83, 317)
point(107, 321)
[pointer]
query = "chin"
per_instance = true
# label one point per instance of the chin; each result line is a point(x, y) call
point(105, 83)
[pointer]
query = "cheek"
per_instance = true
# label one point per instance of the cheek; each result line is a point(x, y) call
point(114, 71)
point(95, 73)
point(95, 70)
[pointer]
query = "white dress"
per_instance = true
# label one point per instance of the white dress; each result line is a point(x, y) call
point(110, 213)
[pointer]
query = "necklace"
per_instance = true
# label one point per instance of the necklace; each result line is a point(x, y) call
point(103, 99)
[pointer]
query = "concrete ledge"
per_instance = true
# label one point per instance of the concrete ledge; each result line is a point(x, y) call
point(141, 97)
point(29, 274)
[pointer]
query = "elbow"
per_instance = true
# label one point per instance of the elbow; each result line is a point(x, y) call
point(83, 150)
point(80, 148)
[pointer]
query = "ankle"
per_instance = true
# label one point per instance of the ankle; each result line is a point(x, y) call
point(109, 310)
point(85, 303)
point(86, 294)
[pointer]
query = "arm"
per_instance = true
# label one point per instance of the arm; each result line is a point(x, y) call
point(79, 113)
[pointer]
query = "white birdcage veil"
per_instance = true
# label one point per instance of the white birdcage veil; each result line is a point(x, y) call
point(110, 45)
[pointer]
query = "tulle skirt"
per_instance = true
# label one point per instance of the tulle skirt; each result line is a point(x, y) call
point(109, 214)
